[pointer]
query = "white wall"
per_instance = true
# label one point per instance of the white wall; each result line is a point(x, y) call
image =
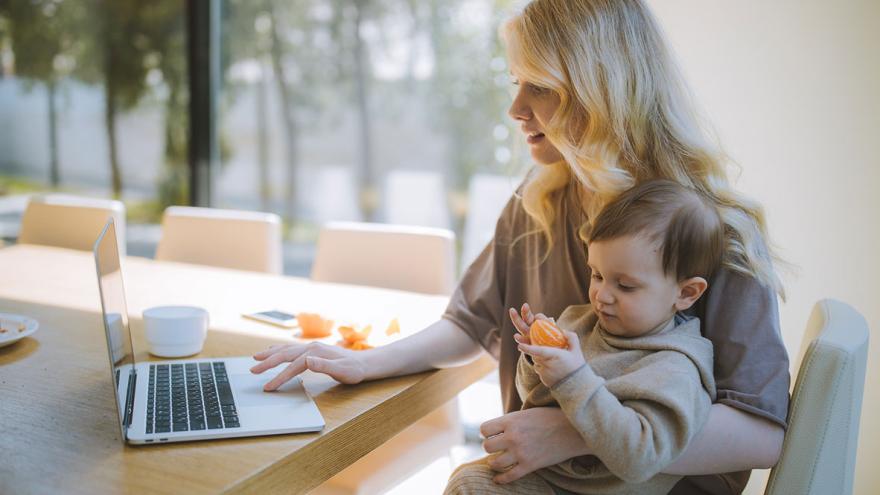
point(793, 88)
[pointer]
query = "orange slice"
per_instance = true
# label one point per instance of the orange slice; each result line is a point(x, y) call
point(359, 345)
point(351, 335)
point(393, 327)
point(313, 325)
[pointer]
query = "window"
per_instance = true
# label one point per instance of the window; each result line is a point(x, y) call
point(371, 110)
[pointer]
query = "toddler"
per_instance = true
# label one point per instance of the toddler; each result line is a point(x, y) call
point(635, 378)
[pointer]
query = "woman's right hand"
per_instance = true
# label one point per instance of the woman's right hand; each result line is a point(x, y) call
point(440, 345)
point(342, 365)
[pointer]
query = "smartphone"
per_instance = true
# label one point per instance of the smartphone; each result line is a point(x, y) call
point(274, 317)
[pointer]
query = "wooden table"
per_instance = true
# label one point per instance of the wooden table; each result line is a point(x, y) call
point(58, 430)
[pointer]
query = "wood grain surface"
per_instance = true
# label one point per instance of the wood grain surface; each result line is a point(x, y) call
point(58, 430)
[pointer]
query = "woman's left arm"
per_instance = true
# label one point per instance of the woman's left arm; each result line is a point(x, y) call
point(746, 424)
point(731, 440)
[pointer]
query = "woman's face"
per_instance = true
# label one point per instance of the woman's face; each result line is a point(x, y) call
point(532, 107)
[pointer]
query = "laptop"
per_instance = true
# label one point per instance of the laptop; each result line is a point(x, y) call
point(191, 399)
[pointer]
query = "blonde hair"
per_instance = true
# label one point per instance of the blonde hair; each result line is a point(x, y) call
point(625, 116)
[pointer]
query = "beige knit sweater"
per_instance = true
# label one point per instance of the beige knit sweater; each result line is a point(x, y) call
point(636, 403)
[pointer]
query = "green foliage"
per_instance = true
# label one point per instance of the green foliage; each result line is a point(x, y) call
point(37, 27)
point(13, 185)
point(470, 98)
point(149, 211)
point(136, 50)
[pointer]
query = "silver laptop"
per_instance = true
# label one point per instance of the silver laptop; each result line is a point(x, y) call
point(194, 399)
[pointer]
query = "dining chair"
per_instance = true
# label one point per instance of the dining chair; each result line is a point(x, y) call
point(819, 450)
point(416, 259)
point(70, 221)
point(243, 240)
point(404, 257)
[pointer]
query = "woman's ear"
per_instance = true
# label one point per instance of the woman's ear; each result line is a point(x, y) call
point(689, 290)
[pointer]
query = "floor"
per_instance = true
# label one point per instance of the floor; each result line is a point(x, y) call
point(477, 403)
point(431, 480)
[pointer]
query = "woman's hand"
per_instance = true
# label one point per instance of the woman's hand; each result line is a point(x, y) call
point(342, 365)
point(440, 345)
point(525, 441)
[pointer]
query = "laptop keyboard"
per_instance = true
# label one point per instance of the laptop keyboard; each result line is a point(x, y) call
point(190, 396)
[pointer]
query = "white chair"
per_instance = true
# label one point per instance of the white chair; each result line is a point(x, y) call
point(243, 240)
point(70, 221)
point(397, 257)
point(487, 195)
point(416, 197)
point(417, 259)
point(819, 451)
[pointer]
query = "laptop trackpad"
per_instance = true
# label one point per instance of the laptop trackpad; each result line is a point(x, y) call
point(248, 391)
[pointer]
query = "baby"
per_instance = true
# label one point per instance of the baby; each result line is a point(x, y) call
point(635, 378)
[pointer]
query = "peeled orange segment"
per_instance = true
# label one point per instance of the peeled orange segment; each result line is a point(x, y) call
point(351, 335)
point(314, 326)
point(360, 345)
point(546, 333)
point(393, 327)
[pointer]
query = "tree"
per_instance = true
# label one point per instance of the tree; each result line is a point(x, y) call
point(247, 39)
point(469, 97)
point(111, 49)
point(285, 34)
point(163, 27)
point(40, 42)
point(361, 83)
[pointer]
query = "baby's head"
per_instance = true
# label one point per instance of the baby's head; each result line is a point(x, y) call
point(651, 252)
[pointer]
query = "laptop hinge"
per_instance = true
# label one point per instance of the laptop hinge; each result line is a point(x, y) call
point(129, 399)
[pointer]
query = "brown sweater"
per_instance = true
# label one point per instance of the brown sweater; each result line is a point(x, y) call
point(737, 314)
point(637, 403)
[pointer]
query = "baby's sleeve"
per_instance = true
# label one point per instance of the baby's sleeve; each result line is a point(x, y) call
point(663, 405)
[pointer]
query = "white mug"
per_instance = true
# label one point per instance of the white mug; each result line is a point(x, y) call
point(175, 331)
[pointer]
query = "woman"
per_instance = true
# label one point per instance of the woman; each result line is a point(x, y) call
point(602, 107)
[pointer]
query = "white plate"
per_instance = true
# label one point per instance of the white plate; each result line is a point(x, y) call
point(15, 327)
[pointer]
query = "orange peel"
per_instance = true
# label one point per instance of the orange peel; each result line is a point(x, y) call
point(393, 327)
point(359, 345)
point(350, 334)
point(546, 333)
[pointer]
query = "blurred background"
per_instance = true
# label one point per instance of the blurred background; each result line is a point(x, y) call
point(372, 110)
point(394, 110)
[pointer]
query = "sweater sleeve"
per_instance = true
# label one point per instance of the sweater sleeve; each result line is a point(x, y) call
point(640, 422)
point(532, 392)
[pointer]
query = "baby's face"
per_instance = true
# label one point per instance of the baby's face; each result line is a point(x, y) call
point(628, 289)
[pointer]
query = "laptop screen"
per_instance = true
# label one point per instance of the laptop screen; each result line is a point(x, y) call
point(115, 316)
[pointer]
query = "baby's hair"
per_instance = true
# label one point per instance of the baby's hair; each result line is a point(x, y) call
point(685, 225)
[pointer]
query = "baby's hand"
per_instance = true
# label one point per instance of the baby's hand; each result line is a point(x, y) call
point(522, 320)
point(552, 363)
